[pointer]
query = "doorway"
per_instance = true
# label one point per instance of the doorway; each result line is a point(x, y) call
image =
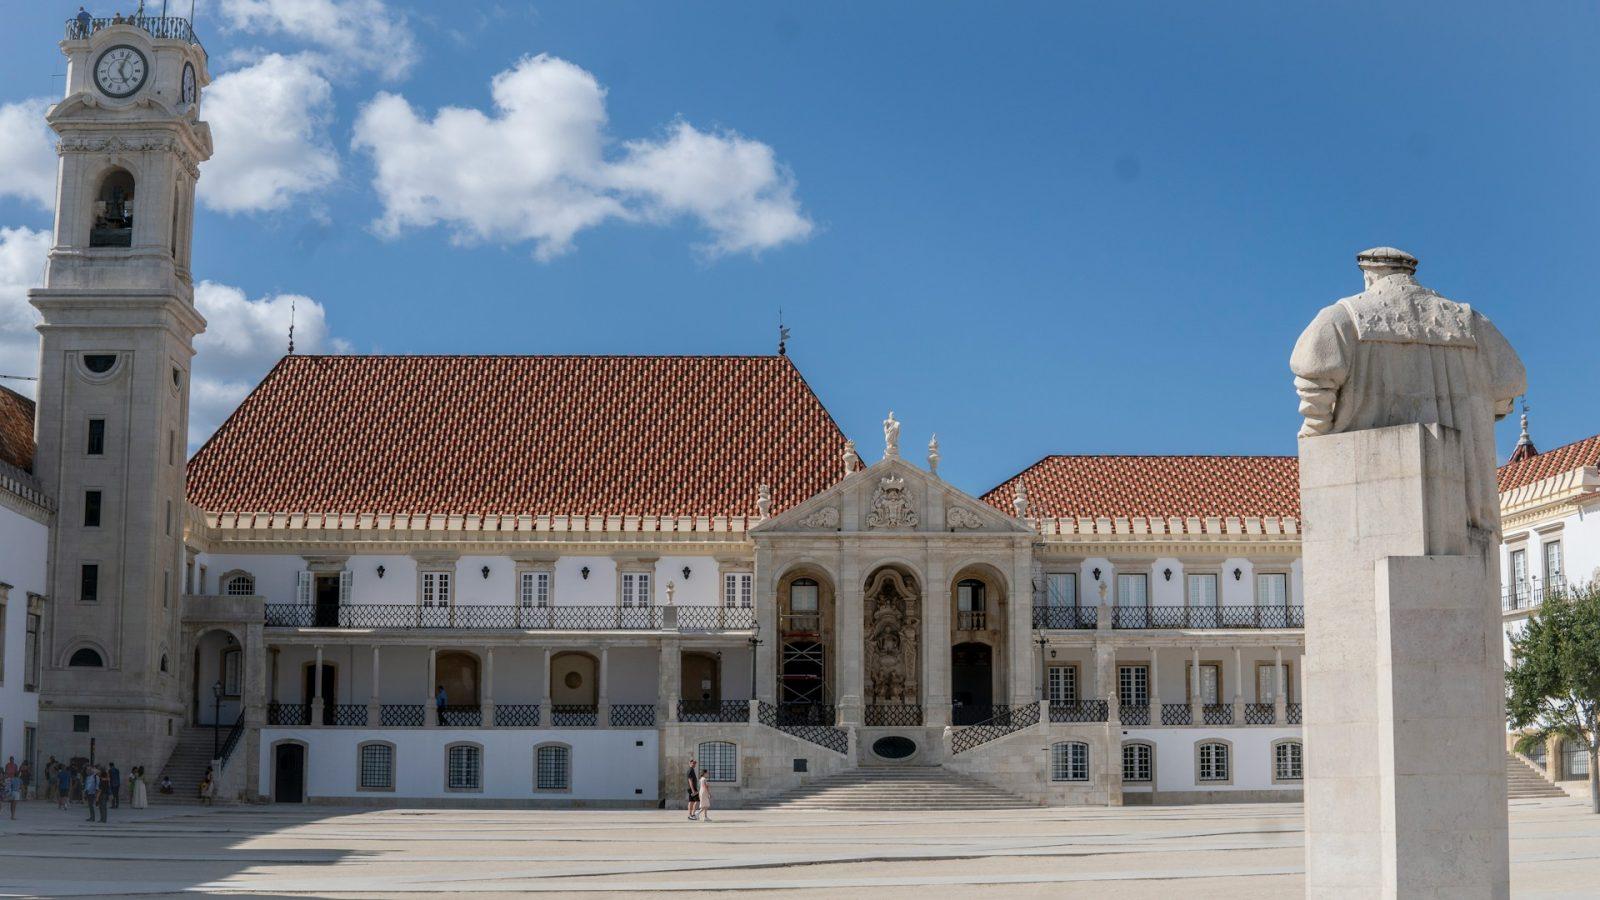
point(327, 599)
point(330, 689)
point(971, 683)
point(702, 683)
point(289, 773)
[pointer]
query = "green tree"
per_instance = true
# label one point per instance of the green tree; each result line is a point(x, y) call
point(1554, 678)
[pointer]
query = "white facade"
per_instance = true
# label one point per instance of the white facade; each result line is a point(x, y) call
point(24, 547)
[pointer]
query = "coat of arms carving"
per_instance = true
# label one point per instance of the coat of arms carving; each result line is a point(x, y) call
point(891, 506)
point(826, 517)
point(961, 517)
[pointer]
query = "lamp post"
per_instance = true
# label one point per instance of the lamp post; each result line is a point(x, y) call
point(755, 641)
point(216, 715)
point(1043, 643)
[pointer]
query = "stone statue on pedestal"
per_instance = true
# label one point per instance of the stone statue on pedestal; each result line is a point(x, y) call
point(891, 437)
point(1400, 354)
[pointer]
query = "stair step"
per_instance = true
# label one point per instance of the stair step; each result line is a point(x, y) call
point(899, 788)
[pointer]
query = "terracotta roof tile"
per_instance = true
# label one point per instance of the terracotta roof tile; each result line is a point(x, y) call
point(520, 435)
point(1551, 462)
point(1157, 486)
point(16, 429)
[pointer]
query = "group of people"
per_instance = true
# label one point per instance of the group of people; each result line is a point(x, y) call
point(99, 788)
point(699, 793)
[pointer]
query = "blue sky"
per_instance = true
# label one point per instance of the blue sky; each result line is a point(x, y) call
point(1032, 228)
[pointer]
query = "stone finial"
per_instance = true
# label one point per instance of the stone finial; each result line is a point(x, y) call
point(891, 437)
point(933, 454)
point(1525, 448)
point(1020, 501)
point(763, 500)
point(852, 459)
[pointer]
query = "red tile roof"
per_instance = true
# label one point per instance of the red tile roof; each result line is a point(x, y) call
point(520, 435)
point(16, 429)
point(1551, 462)
point(1157, 487)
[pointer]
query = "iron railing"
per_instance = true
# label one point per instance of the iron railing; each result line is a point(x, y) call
point(1145, 617)
point(807, 714)
point(973, 713)
point(348, 715)
point(633, 715)
point(469, 617)
point(1293, 712)
point(164, 27)
point(461, 716)
point(1082, 711)
point(897, 715)
point(704, 711)
point(232, 741)
point(1217, 714)
point(401, 715)
point(516, 715)
point(574, 716)
point(971, 620)
point(1527, 596)
point(1260, 714)
point(715, 618)
point(1065, 617)
point(1016, 719)
point(828, 736)
point(288, 714)
point(1133, 713)
point(1175, 714)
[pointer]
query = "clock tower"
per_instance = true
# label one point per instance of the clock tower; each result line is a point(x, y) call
point(116, 341)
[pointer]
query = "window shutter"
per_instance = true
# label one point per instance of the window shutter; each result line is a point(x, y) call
point(344, 587)
point(302, 589)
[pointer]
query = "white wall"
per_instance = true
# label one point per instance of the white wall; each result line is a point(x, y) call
point(1176, 755)
point(24, 546)
point(607, 764)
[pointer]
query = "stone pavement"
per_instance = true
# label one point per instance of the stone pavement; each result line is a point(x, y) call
point(1233, 851)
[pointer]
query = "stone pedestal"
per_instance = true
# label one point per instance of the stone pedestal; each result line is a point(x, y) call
point(1404, 725)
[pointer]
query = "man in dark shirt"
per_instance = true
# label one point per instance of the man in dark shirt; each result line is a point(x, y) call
point(694, 791)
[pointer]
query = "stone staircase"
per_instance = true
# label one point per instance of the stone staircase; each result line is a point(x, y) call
point(1524, 782)
point(187, 766)
point(895, 788)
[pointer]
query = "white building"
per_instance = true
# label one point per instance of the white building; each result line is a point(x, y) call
point(25, 515)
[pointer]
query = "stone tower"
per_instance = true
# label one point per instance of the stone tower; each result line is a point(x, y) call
point(113, 407)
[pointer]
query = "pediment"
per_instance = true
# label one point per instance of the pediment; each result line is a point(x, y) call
point(892, 496)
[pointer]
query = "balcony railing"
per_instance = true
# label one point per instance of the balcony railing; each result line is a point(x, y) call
point(971, 620)
point(574, 716)
point(1175, 714)
point(900, 715)
point(1528, 596)
point(401, 715)
point(823, 735)
point(1013, 719)
point(1064, 617)
point(461, 716)
point(703, 711)
point(633, 715)
point(165, 27)
point(288, 714)
point(1145, 617)
point(1131, 713)
point(516, 715)
point(508, 618)
point(1083, 711)
point(715, 618)
point(1259, 714)
point(1294, 713)
point(1217, 714)
point(347, 715)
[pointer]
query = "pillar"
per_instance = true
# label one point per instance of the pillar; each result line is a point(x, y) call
point(603, 699)
point(430, 713)
point(316, 690)
point(1238, 686)
point(486, 703)
point(849, 608)
point(936, 645)
point(1197, 711)
point(375, 700)
point(669, 681)
point(1280, 694)
point(1019, 625)
point(766, 601)
point(1103, 680)
point(1155, 690)
point(255, 703)
point(546, 714)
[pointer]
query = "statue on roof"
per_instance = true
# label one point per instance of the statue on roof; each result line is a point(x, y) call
point(891, 437)
point(1397, 354)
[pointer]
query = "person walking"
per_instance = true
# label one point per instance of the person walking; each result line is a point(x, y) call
point(208, 788)
point(12, 792)
point(11, 766)
point(103, 797)
point(116, 785)
point(91, 787)
point(50, 768)
point(63, 785)
point(694, 791)
point(25, 776)
point(440, 701)
point(705, 796)
point(140, 796)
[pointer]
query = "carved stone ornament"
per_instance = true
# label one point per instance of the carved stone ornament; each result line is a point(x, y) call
point(892, 629)
point(891, 508)
point(826, 517)
point(961, 517)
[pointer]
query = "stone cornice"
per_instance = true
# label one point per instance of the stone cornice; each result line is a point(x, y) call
point(23, 494)
point(1230, 526)
point(1553, 497)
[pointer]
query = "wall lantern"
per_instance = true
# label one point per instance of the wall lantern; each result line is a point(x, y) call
point(1096, 574)
point(1167, 574)
point(380, 571)
point(685, 573)
point(1238, 574)
point(485, 571)
point(584, 572)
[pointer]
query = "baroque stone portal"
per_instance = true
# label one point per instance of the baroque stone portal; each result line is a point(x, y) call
point(893, 658)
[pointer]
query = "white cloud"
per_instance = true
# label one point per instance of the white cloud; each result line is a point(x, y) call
point(363, 33)
point(270, 122)
point(22, 257)
point(242, 340)
point(27, 153)
point(537, 169)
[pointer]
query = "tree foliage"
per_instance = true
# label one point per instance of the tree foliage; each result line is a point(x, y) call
point(1554, 678)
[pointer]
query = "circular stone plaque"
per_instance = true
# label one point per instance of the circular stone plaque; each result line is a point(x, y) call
point(894, 747)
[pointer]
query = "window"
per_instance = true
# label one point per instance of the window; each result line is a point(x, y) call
point(1137, 759)
point(736, 589)
point(1574, 760)
point(243, 585)
point(533, 589)
point(1069, 761)
point(1519, 575)
point(1267, 683)
point(464, 767)
point(719, 760)
point(1133, 590)
point(163, 664)
point(99, 363)
point(85, 658)
point(1552, 564)
point(552, 768)
point(969, 595)
point(1212, 761)
point(803, 595)
point(1286, 761)
point(1203, 590)
point(97, 437)
point(172, 436)
point(1210, 681)
point(91, 509)
point(231, 669)
point(1063, 682)
point(635, 588)
point(1272, 589)
point(169, 517)
point(89, 583)
point(113, 211)
point(376, 765)
point(80, 724)
point(1061, 589)
point(30, 654)
point(436, 588)
point(1133, 685)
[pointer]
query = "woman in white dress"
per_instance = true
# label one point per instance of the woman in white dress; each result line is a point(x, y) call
point(141, 796)
point(705, 797)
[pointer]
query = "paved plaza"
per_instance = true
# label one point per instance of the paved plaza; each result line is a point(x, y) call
point(1233, 851)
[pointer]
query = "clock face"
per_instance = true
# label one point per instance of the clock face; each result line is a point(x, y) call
point(120, 71)
point(188, 83)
